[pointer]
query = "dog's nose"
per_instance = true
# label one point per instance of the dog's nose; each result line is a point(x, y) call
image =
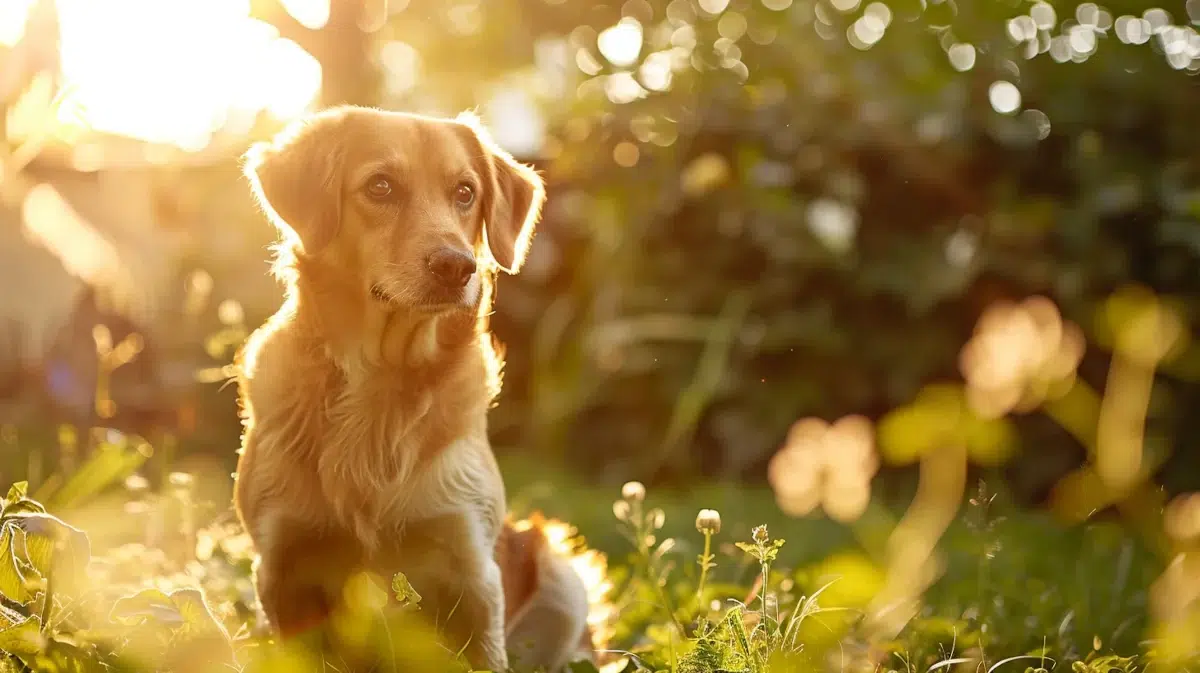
point(452, 268)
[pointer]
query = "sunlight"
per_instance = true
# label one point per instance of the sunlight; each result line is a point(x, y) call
point(194, 85)
point(53, 223)
point(621, 44)
point(312, 14)
point(515, 121)
point(13, 14)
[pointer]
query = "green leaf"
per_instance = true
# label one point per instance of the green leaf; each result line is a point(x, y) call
point(583, 666)
point(196, 615)
point(23, 638)
point(404, 591)
point(182, 610)
point(18, 491)
point(51, 542)
point(10, 614)
point(144, 606)
point(12, 581)
point(110, 464)
point(23, 506)
point(61, 656)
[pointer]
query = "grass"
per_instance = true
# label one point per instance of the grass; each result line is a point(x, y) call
point(163, 584)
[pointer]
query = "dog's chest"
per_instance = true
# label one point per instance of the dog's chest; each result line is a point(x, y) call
point(378, 443)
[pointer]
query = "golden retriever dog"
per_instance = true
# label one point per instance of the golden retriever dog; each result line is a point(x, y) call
point(365, 397)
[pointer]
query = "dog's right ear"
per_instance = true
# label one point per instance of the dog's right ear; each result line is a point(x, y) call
point(297, 179)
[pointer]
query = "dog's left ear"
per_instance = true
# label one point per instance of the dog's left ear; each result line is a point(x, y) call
point(512, 201)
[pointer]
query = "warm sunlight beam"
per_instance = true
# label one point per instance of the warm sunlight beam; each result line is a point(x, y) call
point(53, 223)
point(177, 71)
point(13, 15)
point(312, 14)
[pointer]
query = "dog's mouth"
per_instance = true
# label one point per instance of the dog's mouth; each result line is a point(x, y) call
point(433, 305)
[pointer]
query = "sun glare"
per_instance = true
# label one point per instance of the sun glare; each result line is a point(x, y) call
point(13, 14)
point(178, 71)
point(51, 221)
point(312, 14)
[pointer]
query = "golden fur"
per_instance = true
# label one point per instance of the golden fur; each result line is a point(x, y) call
point(365, 397)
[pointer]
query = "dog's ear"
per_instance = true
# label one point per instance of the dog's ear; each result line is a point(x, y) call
point(297, 178)
point(512, 201)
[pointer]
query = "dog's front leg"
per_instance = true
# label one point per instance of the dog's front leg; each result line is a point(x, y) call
point(300, 573)
point(480, 617)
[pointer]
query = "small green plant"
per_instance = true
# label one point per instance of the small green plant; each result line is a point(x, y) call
point(53, 620)
point(404, 592)
point(765, 551)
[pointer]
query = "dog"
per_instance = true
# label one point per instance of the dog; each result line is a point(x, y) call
point(364, 399)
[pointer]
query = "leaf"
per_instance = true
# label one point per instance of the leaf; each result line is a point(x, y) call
point(18, 491)
point(23, 638)
point(10, 614)
point(23, 506)
point(403, 590)
point(194, 610)
point(52, 544)
point(183, 609)
point(582, 666)
point(110, 464)
point(66, 657)
point(12, 582)
point(150, 604)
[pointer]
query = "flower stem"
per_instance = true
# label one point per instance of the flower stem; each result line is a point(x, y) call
point(766, 574)
point(704, 563)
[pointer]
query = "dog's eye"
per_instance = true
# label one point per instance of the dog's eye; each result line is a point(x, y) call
point(379, 187)
point(464, 194)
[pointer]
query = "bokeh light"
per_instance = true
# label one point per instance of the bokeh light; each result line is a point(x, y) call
point(825, 465)
point(622, 43)
point(1004, 97)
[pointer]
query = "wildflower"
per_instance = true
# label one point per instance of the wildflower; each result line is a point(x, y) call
point(760, 535)
point(708, 521)
point(656, 519)
point(621, 510)
point(825, 465)
point(633, 491)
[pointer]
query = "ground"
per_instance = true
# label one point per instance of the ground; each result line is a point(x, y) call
point(1017, 588)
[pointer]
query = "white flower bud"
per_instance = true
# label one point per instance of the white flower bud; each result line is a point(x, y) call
point(708, 521)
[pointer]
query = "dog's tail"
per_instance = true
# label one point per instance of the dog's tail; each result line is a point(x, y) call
point(557, 594)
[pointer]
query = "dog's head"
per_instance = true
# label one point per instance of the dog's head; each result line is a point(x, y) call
point(411, 210)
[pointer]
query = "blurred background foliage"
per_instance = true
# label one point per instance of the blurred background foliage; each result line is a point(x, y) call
point(759, 209)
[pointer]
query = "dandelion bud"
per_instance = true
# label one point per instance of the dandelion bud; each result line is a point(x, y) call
point(708, 521)
point(633, 491)
point(621, 510)
point(657, 518)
